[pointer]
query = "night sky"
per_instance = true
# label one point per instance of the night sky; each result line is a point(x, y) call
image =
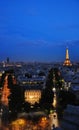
point(39, 30)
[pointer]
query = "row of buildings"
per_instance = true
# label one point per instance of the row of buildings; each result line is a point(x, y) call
point(32, 76)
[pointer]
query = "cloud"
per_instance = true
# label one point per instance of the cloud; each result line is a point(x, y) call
point(22, 40)
point(34, 43)
point(72, 42)
point(68, 43)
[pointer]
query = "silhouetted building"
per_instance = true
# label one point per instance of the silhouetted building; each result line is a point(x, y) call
point(8, 60)
point(70, 118)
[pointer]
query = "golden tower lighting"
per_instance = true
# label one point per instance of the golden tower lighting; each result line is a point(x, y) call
point(67, 61)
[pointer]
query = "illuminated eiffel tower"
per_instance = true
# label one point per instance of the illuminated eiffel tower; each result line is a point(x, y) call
point(67, 61)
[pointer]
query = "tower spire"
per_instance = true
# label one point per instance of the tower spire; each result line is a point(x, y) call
point(67, 53)
point(67, 61)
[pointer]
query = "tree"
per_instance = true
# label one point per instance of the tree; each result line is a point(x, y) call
point(66, 97)
point(16, 99)
point(49, 81)
point(54, 79)
point(10, 81)
point(46, 99)
point(58, 78)
point(2, 79)
point(26, 106)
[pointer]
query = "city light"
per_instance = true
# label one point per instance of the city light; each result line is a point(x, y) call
point(18, 124)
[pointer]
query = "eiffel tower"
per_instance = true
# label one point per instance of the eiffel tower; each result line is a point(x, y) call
point(67, 61)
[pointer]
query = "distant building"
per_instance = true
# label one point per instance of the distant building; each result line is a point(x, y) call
point(75, 90)
point(8, 60)
point(31, 81)
point(67, 61)
point(71, 118)
point(32, 96)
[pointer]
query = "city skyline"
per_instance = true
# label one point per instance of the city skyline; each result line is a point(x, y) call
point(39, 30)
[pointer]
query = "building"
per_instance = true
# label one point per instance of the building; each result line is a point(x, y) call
point(8, 60)
point(67, 61)
point(32, 96)
point(75, 89)
point(71, 118)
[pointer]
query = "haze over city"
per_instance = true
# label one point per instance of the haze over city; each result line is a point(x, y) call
point(39, 30)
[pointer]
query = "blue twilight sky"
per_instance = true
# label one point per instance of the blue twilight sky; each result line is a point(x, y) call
point(39, 30)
